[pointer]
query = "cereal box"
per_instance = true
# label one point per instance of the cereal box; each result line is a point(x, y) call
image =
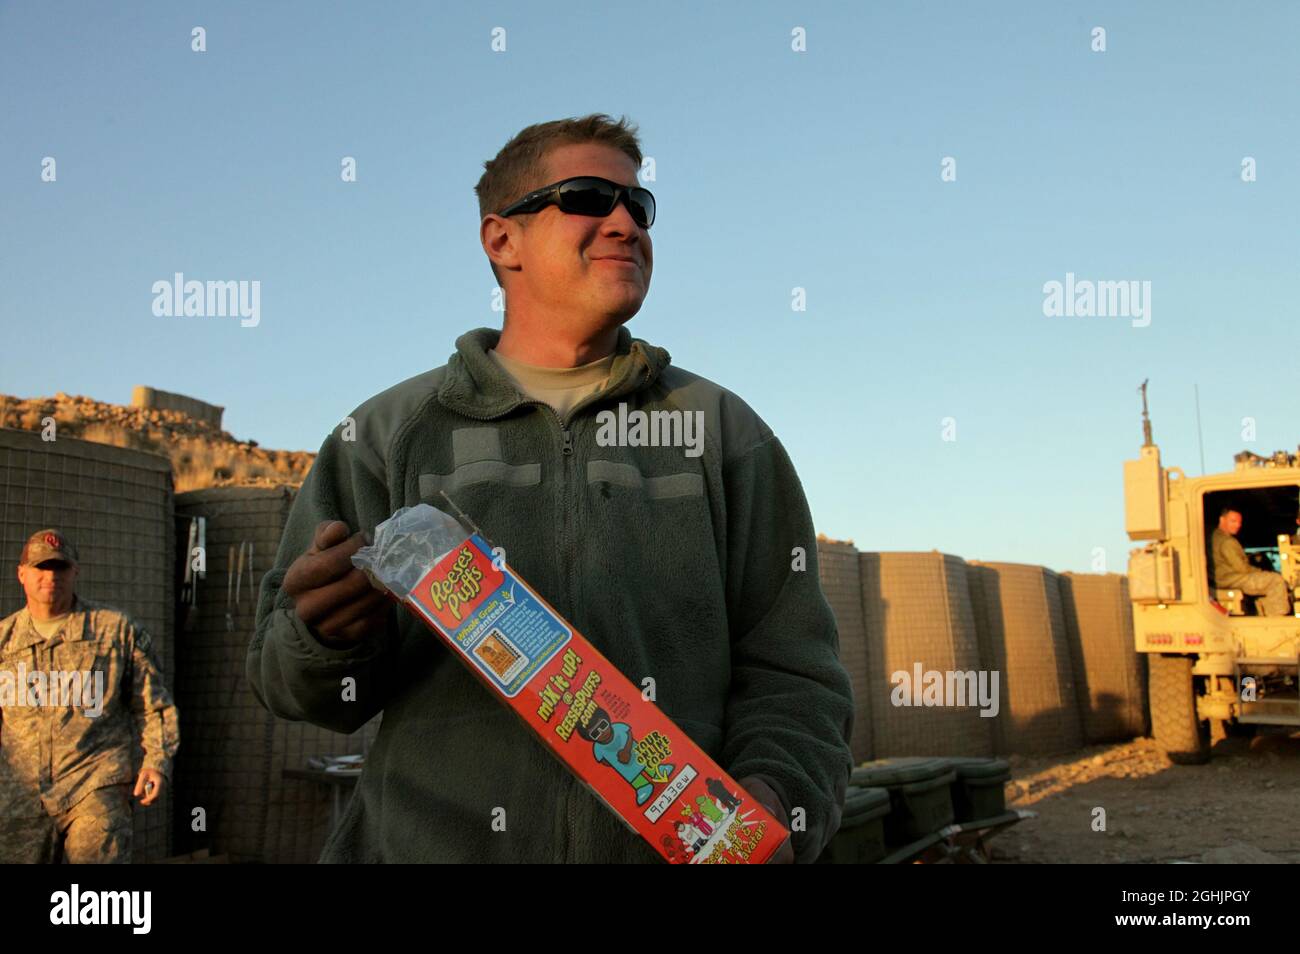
point(621, 746)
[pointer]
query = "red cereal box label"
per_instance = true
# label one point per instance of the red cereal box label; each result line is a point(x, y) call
point(621, 746)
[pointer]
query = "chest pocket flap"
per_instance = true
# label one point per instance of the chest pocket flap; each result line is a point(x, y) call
point(626, 475)
point(476, 457)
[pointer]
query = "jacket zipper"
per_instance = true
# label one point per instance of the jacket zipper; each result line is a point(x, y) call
point(569, 567)
point(570, 803)
point(567, 560)
point(568, 550)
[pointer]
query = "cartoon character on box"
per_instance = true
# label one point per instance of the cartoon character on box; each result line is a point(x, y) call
point(691, 837)
point(613, 744)
point(710, 809)
point(693, 817)
point(719, 791)
point(670, 849)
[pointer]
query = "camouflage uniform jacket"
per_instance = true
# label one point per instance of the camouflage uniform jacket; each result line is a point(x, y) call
point(1231, 567)
point(63, 751)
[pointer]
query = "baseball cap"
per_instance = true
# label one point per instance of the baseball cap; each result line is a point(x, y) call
point(48, 544)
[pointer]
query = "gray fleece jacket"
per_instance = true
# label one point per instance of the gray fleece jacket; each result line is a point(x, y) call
point(679, 568)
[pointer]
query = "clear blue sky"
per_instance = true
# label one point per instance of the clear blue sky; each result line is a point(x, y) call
point(775, 169)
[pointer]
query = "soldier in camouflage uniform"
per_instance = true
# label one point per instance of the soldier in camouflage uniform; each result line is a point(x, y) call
point(79, 685)
point(1232, 570)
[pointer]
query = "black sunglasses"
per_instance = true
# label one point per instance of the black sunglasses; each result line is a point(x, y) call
point(589, 195)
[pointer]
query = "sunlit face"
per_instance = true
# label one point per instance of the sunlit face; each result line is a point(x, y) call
point(560, 264)
point(49, 585)
point(1230, 522)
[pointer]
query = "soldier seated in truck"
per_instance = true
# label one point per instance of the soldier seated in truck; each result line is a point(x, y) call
point(1233, 570)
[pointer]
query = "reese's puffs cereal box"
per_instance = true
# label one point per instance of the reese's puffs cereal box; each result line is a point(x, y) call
point(622, 747)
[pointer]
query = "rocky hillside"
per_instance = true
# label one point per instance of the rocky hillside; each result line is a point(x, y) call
point(201, 455)
point(822, 538)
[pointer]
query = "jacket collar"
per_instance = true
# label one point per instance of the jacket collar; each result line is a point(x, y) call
point(477, 387)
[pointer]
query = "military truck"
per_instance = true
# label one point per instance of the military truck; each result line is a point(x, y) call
point(1216, 666)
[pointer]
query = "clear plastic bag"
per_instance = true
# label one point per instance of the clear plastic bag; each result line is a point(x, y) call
point(406, 545)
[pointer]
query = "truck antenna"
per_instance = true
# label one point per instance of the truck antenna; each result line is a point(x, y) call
point(1146, 418)
point(1196, 392)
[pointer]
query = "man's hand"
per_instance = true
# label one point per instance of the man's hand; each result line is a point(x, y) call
point(148, 786)
point(331, 595)
point(772, 802)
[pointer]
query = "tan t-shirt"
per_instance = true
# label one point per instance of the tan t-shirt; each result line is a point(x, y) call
point(561, 388)
point(48, 627)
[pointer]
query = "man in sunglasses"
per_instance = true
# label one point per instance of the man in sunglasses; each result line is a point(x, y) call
point(696, 575)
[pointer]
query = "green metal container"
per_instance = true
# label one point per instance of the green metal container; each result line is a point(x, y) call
point(861, 838)
point(920, 795)
point(979, 790)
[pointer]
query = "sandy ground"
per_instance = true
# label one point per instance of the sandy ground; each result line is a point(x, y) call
point(1241, 807)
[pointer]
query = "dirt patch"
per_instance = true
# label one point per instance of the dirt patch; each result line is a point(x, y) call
point(1239, 808)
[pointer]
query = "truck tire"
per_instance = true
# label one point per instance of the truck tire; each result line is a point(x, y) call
point(1173, 710)
point(1242, 730)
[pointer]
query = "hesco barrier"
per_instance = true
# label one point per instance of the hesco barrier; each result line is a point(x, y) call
point(917, 610)
point(1109, 673)
point(237, 753)
point(837, 567)
point(1022, 635)
point(115, 505)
